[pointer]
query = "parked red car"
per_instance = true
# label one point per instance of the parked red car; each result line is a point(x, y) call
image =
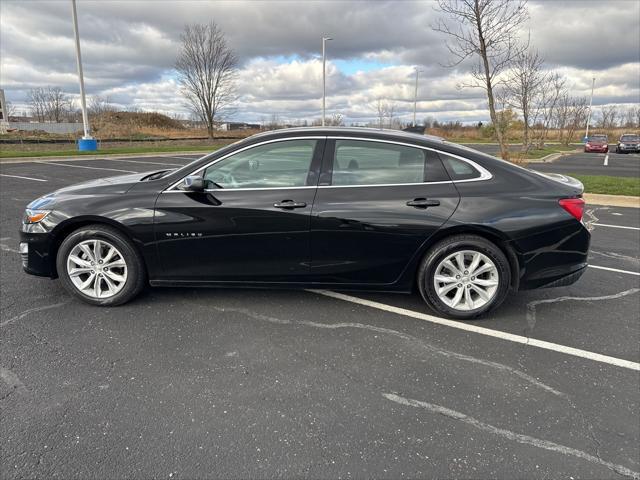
point(597, 143)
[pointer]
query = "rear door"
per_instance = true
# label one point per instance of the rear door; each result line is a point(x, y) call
point(252, 222)
point(377, 203)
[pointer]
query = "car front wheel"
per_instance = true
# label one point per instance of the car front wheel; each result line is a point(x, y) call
point(464, 276)
point(99, 265)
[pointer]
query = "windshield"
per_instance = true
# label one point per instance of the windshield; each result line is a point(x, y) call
point(630, 138)
point(598, 138)
point(188, 168)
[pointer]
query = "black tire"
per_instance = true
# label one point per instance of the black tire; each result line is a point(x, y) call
point(136, 271)
point(449, 246)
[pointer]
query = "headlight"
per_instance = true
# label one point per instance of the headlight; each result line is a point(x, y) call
point(622, 145)
point(35, 216)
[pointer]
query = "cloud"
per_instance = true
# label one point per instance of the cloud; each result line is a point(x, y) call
point(129, 48)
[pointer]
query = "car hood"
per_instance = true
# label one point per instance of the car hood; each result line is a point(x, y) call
point(104, 186)
point(118, 184)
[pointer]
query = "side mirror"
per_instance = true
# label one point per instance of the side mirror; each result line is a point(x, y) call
point(193, 183)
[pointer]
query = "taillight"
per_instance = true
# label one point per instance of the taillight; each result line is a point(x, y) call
point(574, 206)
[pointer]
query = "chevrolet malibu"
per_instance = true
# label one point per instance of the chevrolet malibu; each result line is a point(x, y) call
point(331, 208)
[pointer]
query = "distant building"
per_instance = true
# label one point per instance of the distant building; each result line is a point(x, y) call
point(238, 126)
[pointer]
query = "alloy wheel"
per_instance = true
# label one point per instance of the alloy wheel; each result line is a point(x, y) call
point(466, 280)
point(97, 268)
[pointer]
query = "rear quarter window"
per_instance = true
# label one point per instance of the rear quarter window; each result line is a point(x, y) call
point(459, 169)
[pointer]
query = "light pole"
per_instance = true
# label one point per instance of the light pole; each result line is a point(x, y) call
point(324, 74)
point(415, 97)
point(586, 133)
point(87, 142)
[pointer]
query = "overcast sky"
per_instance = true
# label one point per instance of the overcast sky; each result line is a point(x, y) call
point(129, 48)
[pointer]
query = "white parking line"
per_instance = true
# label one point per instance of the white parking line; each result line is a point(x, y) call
point(189, 158)
point(89, 168)
point(615, 270)
point(606, 160)
point(150, 163)
point(24, 178)
point(615, 226)
point(469, 327)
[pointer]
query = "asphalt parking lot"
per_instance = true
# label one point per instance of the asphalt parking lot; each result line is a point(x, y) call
point(193, 383)
point(611, 164)
point(580, 163)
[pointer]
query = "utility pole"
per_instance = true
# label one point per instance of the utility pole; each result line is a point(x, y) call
point(415, 97)
point(586, 133)
point(87, 142)
point(324, 75)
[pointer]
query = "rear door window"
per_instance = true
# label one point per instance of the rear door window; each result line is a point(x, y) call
point(361, 162)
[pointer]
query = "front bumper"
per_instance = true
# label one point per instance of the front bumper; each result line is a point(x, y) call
point(34, 252)
point(629, 148)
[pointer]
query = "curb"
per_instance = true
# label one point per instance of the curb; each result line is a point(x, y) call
point(552, 157)
point(99, 157)
point(612, 200)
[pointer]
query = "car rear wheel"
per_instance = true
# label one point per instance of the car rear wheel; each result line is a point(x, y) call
point(99, 265)
point(464, 276)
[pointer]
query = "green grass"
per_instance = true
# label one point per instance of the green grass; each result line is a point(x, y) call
point(610, 185)
point(547, 150)
point(106, 151)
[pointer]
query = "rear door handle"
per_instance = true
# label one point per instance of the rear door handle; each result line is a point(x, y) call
point(423, 203)
point(289, 204)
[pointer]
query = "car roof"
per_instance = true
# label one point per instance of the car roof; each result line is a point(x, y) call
point(388, 134)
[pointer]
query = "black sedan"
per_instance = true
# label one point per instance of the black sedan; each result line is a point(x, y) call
point(333, 208)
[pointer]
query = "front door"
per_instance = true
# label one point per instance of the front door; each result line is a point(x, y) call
point(252, 221)
point(377, 203)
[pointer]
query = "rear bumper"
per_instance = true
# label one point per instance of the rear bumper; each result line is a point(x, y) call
point(553, 258)
point(567, 280)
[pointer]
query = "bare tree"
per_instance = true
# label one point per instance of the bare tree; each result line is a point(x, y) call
point(206, 69)
point(523, 86)
point(381, 112)
point(547, 105)
point(9, 110)
point(274, 122)
point(49, 103)
point(608, 117)
point(577, 117)
point(391, 108)
point(488, 30)
point(629, 120)
point(37, 98)
point(99, 105)
point(336, 120)
point(58, 104)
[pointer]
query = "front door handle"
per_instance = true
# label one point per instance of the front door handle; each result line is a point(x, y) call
point(289, 204)
point(423, 203)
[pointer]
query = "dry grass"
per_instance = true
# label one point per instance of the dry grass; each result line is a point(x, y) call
point(479, 135)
